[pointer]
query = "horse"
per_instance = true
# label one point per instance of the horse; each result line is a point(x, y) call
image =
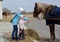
point(5, 14)
point(48, 11)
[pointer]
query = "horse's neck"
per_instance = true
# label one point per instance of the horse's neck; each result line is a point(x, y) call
point(48, 9)
point(45, 8)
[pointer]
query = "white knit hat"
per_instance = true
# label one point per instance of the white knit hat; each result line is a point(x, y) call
point(21, 9)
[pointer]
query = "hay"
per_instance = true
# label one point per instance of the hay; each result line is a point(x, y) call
point(29, 34)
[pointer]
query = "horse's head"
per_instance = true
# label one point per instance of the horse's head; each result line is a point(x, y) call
point(37, 10)
point(41, 8)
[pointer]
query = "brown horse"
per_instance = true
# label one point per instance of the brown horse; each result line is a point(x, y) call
point(42, 8)
point(5, 14)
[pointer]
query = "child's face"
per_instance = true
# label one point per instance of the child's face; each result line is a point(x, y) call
point(22, 17)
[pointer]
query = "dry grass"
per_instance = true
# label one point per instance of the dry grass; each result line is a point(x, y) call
point(29, 34)
point(32, 33)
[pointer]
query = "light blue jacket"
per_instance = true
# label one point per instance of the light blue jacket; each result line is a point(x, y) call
point(15, 20)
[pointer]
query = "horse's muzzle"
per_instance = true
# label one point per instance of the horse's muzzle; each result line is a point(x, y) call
point(34, 14)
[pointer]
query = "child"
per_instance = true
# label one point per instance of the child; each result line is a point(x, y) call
point(21, 27)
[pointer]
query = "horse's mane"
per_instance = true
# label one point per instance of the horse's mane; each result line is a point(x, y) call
point(45, 7)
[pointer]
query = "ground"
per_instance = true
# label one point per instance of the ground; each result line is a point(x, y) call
point(38, 26)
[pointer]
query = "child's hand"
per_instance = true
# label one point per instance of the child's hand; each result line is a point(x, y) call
point(29, 20)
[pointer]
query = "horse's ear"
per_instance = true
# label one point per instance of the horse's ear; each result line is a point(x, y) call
point(35, 3)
